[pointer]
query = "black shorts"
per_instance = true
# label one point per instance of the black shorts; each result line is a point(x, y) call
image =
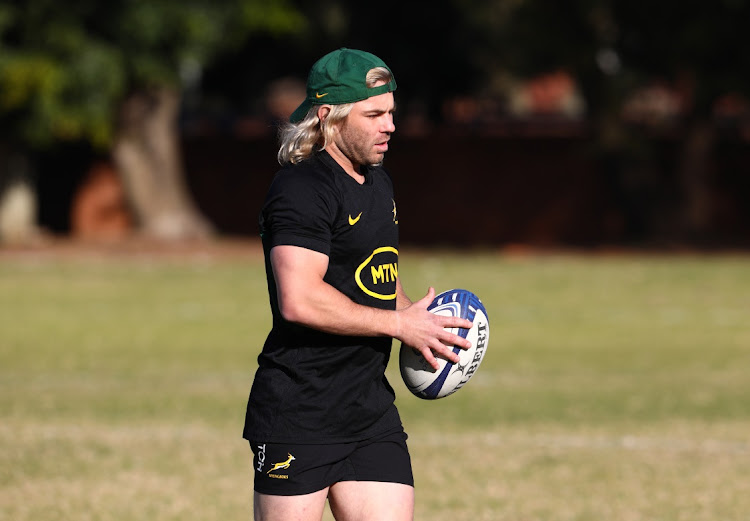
point(284, 469)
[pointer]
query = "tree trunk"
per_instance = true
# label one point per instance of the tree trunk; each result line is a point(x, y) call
point(147, 156)
point(18, 200)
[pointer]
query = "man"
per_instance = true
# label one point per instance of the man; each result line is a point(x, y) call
point(321, 419)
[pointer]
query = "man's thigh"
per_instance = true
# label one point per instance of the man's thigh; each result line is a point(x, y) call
point(306, 507)
point(371, 501)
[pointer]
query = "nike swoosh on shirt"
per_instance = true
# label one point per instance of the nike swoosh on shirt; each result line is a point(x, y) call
point(353, 220)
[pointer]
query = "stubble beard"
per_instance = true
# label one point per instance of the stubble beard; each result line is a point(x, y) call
point(360, 151)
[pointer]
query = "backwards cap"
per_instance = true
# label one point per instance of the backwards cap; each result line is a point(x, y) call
point(338, 78)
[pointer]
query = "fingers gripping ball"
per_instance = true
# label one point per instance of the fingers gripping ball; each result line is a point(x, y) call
point(421, 378)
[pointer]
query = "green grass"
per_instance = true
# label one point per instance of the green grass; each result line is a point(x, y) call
point(614, 387)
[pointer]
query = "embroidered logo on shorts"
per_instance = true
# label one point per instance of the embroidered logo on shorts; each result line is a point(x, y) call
point(261, 457)
point(281, 466)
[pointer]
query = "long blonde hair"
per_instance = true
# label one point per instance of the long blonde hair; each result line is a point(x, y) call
point(300, 140)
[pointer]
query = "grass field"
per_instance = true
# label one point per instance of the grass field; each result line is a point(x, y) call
point(614, 388)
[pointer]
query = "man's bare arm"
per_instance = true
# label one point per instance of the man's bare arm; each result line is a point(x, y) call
point(305, 298)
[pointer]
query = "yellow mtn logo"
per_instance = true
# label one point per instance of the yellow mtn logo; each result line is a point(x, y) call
point(377, 275)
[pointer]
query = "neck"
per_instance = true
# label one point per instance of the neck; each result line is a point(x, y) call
point(353, 169)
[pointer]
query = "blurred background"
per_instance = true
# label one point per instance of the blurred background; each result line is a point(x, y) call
point(615, 386)
point(578, 124)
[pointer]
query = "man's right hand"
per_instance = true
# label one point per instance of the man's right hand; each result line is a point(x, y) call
point(429, 333)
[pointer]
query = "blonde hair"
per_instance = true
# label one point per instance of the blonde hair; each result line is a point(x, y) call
point(300, 140)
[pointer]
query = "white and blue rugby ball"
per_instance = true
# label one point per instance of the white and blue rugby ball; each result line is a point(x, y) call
point(420, 377)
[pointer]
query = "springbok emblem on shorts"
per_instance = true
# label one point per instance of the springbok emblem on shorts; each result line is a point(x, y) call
point(283, 464)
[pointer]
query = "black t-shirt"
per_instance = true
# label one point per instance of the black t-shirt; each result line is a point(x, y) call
point(311, 386)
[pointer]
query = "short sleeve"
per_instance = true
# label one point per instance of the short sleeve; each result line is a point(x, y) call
point(299, 210)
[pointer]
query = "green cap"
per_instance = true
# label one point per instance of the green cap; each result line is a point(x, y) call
point(338, 78)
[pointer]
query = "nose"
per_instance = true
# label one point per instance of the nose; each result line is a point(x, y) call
point(389, 126)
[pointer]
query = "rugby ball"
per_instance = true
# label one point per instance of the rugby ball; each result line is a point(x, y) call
point(420, 377)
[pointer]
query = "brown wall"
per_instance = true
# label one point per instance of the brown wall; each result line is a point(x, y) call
point(469, 190)
point(451, 190)
point(491, 190)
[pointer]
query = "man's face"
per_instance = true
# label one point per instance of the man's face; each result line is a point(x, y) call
point(363, 136)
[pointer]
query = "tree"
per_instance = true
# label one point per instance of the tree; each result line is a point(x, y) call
point(614, 47)
point(695, 47)
point(113, 73)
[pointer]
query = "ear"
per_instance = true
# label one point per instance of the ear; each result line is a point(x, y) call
point(323, 112)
